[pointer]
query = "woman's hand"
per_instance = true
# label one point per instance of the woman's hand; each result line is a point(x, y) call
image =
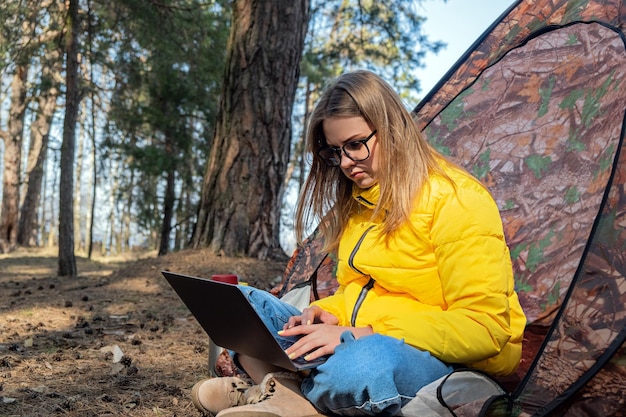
point(318, 339)
point(310, 315)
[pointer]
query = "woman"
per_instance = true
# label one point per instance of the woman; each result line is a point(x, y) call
point(425, 278)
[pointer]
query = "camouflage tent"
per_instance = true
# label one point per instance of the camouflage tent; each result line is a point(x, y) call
point(536, 110)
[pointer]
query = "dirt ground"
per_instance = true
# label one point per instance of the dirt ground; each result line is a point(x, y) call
point(116, 341)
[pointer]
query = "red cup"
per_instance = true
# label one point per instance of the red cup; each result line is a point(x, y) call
point(227, 278)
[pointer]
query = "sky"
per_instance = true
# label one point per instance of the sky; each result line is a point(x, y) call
point(458, 23)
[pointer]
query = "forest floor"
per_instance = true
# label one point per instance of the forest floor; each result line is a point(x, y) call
point(116, 341)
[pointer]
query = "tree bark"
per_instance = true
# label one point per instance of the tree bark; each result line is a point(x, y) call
point(48, 92)
point(48, 208)
point(38, 150)
point(13, 138)
point(67, 258)
point(78, 189)
point(239, 212)
point(108, 239)
point(94, 185)
point(13, 161)
point(168, 211)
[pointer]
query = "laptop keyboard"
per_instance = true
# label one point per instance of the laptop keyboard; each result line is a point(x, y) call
point(285, 343)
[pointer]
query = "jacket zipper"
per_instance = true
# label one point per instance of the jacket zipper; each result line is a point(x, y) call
point(364, 201)
point(367, 286)
point(360, 300)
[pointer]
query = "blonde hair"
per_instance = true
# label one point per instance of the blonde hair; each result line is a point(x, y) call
point(406, 160)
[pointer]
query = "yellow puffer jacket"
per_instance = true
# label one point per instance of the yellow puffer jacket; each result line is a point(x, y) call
point(444, 286)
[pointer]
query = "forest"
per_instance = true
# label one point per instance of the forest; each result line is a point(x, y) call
point(164, 125)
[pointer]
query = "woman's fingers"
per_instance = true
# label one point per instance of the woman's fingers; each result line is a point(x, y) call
point(317, 340)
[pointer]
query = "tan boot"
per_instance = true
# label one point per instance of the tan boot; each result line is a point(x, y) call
point(210, 396)
point(278, 395)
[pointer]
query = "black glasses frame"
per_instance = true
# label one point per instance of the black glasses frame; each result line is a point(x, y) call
point(335, 160)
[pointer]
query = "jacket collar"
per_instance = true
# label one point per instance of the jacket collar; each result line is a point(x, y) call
point(367, 197)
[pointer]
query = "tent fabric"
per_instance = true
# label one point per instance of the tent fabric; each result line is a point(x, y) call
point(536, 110)
point(309, 267)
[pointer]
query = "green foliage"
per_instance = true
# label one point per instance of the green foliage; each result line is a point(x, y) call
point(9, 24)
point(385, 37)
point(169, 65)
point(152, 73)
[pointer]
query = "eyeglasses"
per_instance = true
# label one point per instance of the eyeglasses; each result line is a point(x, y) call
point(356, 150)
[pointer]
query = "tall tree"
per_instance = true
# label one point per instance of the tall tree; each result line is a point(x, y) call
point(13, 161)
point(13, 137)
point(67, 258)
point(38, 149)
point(165, 99)
point(48, 93)
point(243, 185)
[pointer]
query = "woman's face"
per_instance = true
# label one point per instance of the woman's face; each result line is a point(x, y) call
point(341, 130)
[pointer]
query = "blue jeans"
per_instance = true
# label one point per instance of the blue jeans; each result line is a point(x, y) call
point(372, 375)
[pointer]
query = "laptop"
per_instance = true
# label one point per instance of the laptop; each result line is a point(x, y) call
point(231, 321)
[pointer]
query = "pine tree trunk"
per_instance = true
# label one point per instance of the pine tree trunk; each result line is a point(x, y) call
point(168, 211)
point(9, 213)
point(78, 235)
point(108, 240)
point(67, 259)
point(243, 186)
point(38, 150)
point(94, 185)
point(28, 233)
point(127, 209)
point(48, 210)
